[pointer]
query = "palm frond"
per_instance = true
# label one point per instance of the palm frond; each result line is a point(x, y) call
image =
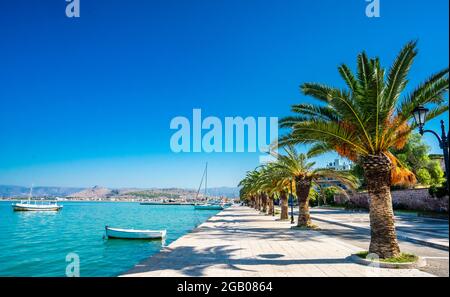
point(319, 149)
point(311, 110)
point(345, 177)
point(364, 70)
point(288, 122)
point(318, 91)
point(430, 91)
point(397, 77)
point(307, 132)
point(349, 78)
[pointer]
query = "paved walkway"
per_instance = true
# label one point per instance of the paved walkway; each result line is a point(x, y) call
point(426, 231)
point(241, 242)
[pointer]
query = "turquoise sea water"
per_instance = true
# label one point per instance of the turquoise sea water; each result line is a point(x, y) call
point(37, 243)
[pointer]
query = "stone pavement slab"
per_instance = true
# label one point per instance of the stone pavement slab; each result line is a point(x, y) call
point(426, 231)
point(240, 242)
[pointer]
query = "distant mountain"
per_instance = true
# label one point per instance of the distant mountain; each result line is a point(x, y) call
point(19, 191)
point(8, 191)
point(229, 192)
point(94, 192)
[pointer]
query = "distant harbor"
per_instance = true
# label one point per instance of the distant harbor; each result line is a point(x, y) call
point(97, 193)
point(166, 203)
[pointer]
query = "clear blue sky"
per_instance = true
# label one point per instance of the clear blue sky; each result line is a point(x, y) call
point(88, 101)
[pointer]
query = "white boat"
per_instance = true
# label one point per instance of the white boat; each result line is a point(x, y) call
point(21, 206)
point(208, 207)
point(28, 206)
point(134, 234)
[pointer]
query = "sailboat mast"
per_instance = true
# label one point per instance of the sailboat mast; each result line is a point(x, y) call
point(206, 178)
point(31, 193)
point(201, 182)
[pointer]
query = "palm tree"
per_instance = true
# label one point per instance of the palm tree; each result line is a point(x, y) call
point(273, 184)
point(303, 175)
point(364, 122)
point(266, 185)
point(264, 180)
point(255, 189)
point(249, 190)
point(282, 188)
point(284, 214)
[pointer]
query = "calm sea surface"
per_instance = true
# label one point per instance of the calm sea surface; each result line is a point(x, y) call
point(37, 243)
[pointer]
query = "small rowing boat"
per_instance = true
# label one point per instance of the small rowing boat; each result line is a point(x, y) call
point(134, 234)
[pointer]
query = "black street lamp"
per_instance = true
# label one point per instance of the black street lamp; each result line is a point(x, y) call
point(420, 115)
point(291, 202)
point(273, 207)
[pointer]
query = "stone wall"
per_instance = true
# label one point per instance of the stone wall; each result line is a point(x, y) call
point(412, 199)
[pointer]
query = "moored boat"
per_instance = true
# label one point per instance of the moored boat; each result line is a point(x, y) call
point(209, 205)
point(28, 206)
point(165, 203)
point(134, 234)
point(36, 207)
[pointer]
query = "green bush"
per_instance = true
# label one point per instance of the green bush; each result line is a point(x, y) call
point(313, 197)
point(436, 173)
point(424, 177)
point(415, 156)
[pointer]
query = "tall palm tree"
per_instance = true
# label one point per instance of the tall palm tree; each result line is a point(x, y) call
point(364, 122)
point(266, 185)
point(284, 206)
point(273, 183)
point(303, 175)
point(249, 189)
point(282, 189)
point(266, 180)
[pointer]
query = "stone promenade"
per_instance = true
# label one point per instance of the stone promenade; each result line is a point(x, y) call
point(240, 242)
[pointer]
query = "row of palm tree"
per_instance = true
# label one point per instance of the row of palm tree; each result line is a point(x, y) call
point(362, 122)
point(290, 173)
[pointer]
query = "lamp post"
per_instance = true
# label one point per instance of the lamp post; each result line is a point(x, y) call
point(273, 208)
point(420, 115)
point(291, 202)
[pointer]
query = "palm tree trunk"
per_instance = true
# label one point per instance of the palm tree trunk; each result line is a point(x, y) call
point(264, 203)
point(284, 206)
point(302, 189)
point(383, 241)
point(270, 205)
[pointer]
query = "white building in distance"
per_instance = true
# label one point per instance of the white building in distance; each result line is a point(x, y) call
point(337, 164)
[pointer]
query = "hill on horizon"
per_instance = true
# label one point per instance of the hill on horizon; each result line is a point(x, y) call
point(12, 191)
